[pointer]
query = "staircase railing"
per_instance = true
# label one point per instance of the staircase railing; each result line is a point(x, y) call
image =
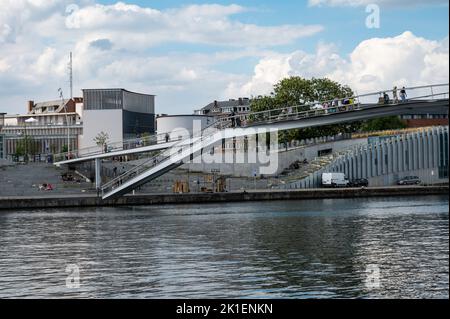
point(113, 147)
point(360, 148)
point(164, 156)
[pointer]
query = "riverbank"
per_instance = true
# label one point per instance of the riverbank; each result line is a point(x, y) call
point(33, 202)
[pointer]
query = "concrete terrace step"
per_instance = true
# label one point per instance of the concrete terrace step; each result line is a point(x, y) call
point(25, 180)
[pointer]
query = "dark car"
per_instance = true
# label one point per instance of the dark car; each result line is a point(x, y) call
point(409, 180)
point(360, 182)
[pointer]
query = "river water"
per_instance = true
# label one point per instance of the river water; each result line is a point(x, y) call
point(361, 248)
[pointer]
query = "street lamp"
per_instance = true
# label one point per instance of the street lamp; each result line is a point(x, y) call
point(30, 120)
point(67, 121)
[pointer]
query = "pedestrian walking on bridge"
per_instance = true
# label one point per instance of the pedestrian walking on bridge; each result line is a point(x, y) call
point(403, 95)
point(395, 94)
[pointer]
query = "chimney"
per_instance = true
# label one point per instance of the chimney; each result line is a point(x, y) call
point(215, 103)
point(30, 106)
point(240, 101)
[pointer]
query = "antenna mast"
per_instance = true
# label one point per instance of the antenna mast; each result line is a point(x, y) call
point(71, 76)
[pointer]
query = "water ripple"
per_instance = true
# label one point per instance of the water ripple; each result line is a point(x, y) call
point(304, 249)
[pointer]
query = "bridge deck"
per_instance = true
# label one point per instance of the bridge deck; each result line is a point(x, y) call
point(365, 111)
point(144, 174)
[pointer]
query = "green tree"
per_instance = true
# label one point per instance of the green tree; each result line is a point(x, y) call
point(21, 148)
point(383, 123)
point(263, 103)
point(102, 139)
point(297, 91)
point(26, 146)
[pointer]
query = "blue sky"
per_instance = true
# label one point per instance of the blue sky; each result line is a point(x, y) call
point(344, 25)
point(190, 53)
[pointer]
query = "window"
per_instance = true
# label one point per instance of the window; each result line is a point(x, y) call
point(1, 146)
point(443, 155)
point(102, 99)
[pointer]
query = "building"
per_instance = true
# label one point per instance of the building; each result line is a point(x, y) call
point(2, 140)
point(47, 127)
point(171, 127)
point(121, 114)
point(425, 118)
point(423, 153)
point(222, 109)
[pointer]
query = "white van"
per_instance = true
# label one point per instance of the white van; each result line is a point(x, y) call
point(334, 180)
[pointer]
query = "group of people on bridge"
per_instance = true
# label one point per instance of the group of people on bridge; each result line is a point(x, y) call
point(336, 105)
point(385, 99)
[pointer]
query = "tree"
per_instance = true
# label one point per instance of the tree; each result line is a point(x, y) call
point(383, 123)
point(102, 139)
point(26, 146)
point(297, 91)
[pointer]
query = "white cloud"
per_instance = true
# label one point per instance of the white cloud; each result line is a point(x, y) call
point(357, 3)
point(127, 25)
point(374, 65)
point(114, 45)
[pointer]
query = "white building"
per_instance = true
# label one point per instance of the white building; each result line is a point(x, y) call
point(51, 126)
point(121, 114)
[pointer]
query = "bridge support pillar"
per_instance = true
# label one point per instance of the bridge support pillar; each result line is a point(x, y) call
point(98, 173)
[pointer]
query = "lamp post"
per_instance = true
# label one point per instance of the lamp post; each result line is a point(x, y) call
point(67, 121)
point(30, 120)
point(432, 178)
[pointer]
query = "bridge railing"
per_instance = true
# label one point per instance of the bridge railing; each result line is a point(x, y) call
point(339, 105)
point(296, 112)
point(115, 147)
point(163, 156)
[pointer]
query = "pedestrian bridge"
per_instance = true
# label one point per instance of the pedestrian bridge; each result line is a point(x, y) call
point(175, 153)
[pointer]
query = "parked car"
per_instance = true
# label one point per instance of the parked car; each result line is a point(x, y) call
point(334, 180)
point(409, 180)
point(360, 182)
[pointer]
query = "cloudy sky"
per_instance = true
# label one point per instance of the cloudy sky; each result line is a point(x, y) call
point(190, 53)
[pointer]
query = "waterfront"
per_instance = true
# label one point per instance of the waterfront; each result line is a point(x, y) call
point(281, 249)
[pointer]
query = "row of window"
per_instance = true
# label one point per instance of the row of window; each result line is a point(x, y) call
point(43, 131)
point(235, 109)
point(41, 145)
point(118, 99)
point(1, 147)
point(51, 120)
point(424, 116)
point(103, 100)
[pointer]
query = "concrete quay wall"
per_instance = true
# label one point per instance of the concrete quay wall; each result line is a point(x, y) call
point(16, 203)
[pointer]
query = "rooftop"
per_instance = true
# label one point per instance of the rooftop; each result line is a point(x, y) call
point(117, 89)
point(229, 103)
point(41, 114)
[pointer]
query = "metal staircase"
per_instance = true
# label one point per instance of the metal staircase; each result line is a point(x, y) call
point(165, 161)
point(318, 164)
point(312, 178)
